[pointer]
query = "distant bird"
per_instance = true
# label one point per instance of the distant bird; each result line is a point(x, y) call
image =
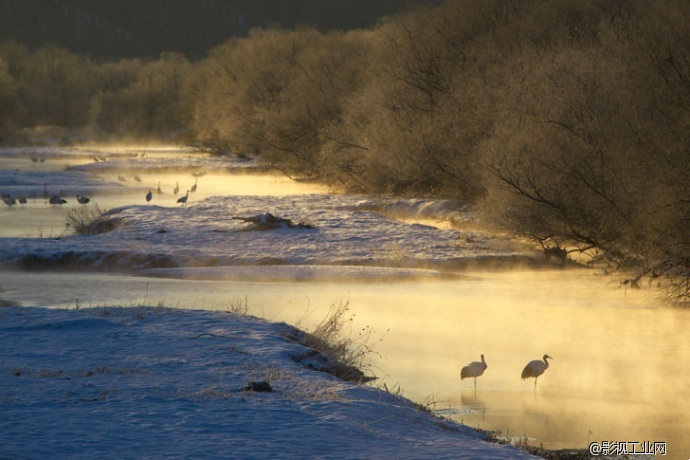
point(177, 188)
point(158, 190)
point(57, 199)
point(96, 159)
point(473, 369)
point(22, 200)
point(34, 159)
point(535, 369)
point(183, 199)
point(83, 199)
point(137, 178)
point(149, 196)
point(121, 179)
point(193, 189)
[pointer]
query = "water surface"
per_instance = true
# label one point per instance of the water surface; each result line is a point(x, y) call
point(620, 360)
point(39, 219)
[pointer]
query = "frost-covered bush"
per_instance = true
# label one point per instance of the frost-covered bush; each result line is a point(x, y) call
point(91, 220)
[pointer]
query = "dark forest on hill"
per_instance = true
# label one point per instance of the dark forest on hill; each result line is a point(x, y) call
point(139, 28)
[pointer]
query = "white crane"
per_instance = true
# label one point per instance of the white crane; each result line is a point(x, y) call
point(183, 199)
point(193, 189)
point(535, 369)
point(473, 369)
point(177, 188)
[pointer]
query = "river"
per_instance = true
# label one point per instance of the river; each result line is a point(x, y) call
point(620, 367)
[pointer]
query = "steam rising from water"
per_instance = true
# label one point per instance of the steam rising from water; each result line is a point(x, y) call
point(124, 178)
point(618, 372)
point(620, 361)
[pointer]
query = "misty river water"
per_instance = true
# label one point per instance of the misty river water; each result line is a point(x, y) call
point(620, 370)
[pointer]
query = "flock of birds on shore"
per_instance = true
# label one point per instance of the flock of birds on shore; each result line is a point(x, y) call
point(182, 200)
point(58, 199)
point(533, 369)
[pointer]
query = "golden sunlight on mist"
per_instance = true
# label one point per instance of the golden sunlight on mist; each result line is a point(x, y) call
point(616, 355)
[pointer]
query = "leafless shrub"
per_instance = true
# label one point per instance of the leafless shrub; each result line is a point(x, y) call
point(91, 220)
point(349, 352)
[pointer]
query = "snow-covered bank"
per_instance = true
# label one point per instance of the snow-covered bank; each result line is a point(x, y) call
point(204, 233)
point(158, 383)
point(155, 383)
point(347, 229)
point(160, 161)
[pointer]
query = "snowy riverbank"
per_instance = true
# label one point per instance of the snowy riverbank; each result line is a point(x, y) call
point(343, 229)
point(158, 383)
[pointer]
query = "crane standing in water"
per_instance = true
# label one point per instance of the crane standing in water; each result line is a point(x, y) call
point(535, 369)
point(183, 199)
point(474, 369)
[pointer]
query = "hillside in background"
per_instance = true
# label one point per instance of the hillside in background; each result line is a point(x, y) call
point(135, 28)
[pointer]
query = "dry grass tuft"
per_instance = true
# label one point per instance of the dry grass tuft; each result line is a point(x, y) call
point(348, 353)
point(239, 306)
point(91, 220)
